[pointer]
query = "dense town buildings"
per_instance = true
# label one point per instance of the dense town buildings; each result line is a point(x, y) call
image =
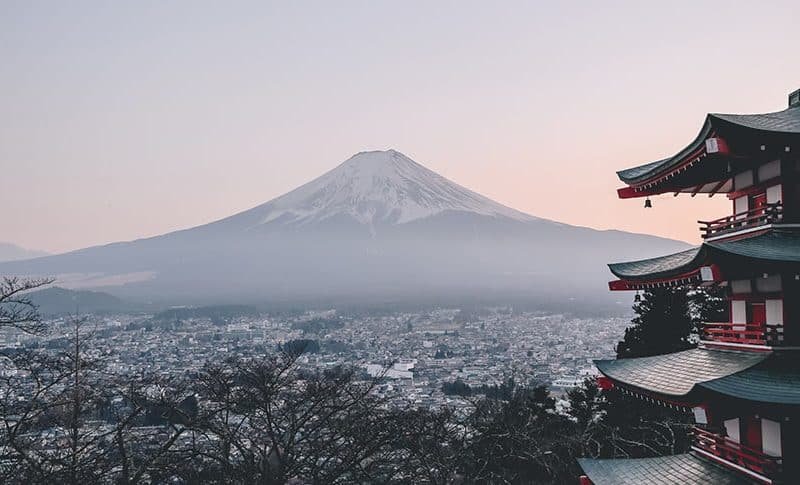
point(416, 352)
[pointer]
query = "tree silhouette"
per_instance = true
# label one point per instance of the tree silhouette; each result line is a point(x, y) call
point(663, 324)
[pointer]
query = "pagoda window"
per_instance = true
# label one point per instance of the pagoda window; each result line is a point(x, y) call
point(700, 415)
point(739, 311)
point(741, 206)
point(774, 194)
point(771, 437)
point(774, 329)
point(732, 429)
point(769, 170)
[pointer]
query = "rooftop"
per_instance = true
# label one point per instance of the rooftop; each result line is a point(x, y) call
point(780, 123)
point(775, 380)
point(678, 373)
point(684, 468)
point(772, 246)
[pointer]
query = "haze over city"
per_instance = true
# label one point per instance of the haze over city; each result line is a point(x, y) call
point(126, 121)
point(391, 243)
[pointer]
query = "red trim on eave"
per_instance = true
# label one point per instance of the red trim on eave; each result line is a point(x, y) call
point(631, 285)
point(641, 190)
point(632, 193)
point(643, 394)
point(604, 383)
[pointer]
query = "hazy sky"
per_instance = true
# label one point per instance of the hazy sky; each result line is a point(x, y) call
point(121, 120)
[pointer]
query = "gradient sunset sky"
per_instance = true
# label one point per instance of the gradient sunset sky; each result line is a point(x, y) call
point(121, 120)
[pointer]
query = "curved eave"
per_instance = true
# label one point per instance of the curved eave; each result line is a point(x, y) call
point(637, 175)
point(649, 178)
point(690, 278)
point(776, 245)
point(786, 122)
point(675, 375)
point(683, 468)
point(772, 247)
point(662, 267)
point(774, 381)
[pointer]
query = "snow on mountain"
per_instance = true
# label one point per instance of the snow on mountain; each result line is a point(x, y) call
point(379, 187)
point(379, 226)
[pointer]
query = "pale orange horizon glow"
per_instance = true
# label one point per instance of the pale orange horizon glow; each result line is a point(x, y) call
point(123, 121)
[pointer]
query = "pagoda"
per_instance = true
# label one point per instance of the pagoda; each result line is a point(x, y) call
point(741, 383)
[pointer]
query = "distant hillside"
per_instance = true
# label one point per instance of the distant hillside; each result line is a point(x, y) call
point(217, 313)
point(60, 301)
point(12, 252)
point(378, 228)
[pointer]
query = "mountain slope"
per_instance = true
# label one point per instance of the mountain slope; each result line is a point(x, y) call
point(377, 226)
point(378, 188)
point(60, 301)
point(12, 252)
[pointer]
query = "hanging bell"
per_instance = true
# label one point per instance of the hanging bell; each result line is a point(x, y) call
point(637, 298)
point(648, 203)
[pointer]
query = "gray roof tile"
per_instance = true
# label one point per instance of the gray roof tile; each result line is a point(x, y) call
point(786, 121)
point(775, 245)
point(662, 266)
point(684, 469)
point(676, 374)
point(775, 381)
point(783, 122)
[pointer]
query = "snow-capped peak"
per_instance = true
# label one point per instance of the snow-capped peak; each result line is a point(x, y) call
point(379, 187)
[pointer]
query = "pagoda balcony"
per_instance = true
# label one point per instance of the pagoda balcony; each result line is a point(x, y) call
point(743, 333)
point(753, 218)
point(763, 467)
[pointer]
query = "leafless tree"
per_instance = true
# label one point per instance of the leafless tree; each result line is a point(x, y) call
point(266, 421)
point(66, 420)
point(16, 308)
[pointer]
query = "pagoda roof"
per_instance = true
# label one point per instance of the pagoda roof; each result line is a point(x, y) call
point(660, 267)
point(775, 380)
point(647, 171)
point(776, 245)
point(786, 121)
point(683, 468)
point(678, 373)
point(780, 122)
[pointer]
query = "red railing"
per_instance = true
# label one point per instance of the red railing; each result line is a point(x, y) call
point(768, 214)
point(733, 452)
point(743, 333)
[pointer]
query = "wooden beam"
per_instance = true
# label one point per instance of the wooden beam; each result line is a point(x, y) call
point(717, 187)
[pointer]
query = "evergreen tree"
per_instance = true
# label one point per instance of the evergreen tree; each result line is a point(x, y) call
point(585, 403)
point(708, 305)
point(663, 324)
point(670, 319)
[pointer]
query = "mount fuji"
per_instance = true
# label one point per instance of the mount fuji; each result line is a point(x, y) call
point(378, 227)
